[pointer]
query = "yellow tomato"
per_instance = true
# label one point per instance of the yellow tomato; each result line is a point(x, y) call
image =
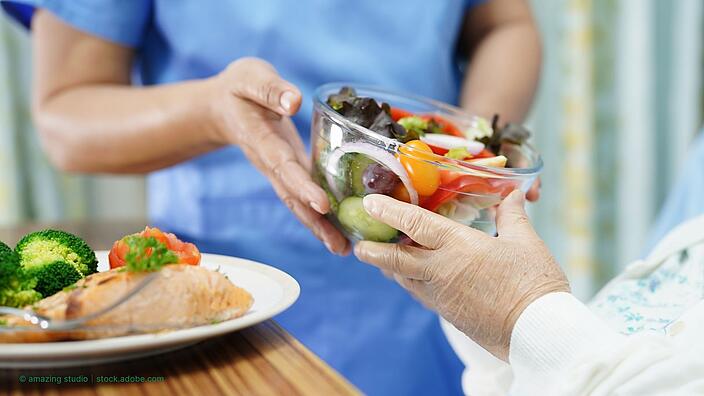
point(425, 176)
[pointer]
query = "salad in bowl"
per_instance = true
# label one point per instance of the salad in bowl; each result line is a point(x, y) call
point(367, 140)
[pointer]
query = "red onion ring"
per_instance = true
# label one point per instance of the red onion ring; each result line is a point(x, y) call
point(377, 154)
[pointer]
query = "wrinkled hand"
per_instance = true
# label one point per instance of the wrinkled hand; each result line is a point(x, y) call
point(252, 106)
point(481, 284)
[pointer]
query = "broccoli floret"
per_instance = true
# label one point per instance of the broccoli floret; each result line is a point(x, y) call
point(45, 247)
point(54, 277)
point(16, 286)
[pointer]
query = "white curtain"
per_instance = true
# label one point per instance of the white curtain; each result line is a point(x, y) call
point(619, 102)
point(30, 189)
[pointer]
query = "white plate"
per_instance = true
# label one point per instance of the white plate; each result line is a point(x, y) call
point(273, 291)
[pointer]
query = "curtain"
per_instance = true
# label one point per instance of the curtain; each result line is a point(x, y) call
point(30, 189)
point(619, 102)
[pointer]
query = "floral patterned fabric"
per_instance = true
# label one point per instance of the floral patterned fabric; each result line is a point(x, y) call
point(653, 293)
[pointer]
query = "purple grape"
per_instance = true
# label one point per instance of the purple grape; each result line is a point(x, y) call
point(379, 180)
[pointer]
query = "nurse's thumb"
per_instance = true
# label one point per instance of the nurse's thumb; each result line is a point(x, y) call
point(511, 219)
point(258, 81)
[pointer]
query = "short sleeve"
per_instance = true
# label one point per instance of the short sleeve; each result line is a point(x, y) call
point(120, 21)
point(473, 3)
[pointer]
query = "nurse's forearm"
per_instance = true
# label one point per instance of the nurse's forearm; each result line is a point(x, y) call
point(91, 120)
point(503, 71)
point(123, 129)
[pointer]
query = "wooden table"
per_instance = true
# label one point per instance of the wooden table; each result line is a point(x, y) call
point(261, 360)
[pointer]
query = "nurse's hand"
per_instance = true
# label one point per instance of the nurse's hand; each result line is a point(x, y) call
point(479, 283)
point(533, 193)
point(252, 106)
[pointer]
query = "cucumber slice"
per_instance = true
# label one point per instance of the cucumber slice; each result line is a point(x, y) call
point(356, 165)
point(352, 216)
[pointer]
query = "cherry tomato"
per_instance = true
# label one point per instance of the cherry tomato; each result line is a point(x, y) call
point(187, 252)
point(425, 176)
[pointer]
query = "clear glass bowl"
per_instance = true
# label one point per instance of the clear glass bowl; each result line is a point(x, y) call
point(468, 194)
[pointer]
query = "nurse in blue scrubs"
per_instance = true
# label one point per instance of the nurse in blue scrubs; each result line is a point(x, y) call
point(213, 101)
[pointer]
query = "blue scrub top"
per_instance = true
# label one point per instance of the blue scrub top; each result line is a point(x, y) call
point(358, 321)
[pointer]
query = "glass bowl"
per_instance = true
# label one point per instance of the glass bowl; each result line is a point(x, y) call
point(348, 158)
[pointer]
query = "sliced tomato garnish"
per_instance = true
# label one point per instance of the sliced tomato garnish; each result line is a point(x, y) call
point(157, 234)
point(187, 253)
point(117, 254)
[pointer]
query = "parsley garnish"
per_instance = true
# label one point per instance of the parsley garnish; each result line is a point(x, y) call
point(147, 254)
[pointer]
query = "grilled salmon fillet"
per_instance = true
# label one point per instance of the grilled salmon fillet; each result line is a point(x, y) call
point(180, 296)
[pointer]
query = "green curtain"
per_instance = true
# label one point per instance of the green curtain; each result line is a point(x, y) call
point(619, 101)
point(30, 189)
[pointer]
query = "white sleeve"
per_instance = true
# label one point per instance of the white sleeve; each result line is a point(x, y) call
point(484, 374)
point(559, 347)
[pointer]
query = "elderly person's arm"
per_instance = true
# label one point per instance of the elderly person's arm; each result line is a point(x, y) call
point(509, 295)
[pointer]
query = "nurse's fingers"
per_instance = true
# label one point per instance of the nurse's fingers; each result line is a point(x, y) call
point(258, 81)
point(533, 193)
point(290, 134)
point(319, 225)
point(279, 161)
point(407, 261)
point(511, 219)
point(424, 227)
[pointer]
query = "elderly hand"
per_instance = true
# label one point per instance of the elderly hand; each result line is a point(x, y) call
point(479, 283)
point(252, 106)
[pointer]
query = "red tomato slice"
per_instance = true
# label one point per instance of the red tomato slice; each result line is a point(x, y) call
point(461, 184)
point(157, 234)
point(187, 253)
point(503, 187)
point(484, 154)
point(447, 176)
point(438, 150)
point(446, 125)
point(397, 114)
point(117, 254)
